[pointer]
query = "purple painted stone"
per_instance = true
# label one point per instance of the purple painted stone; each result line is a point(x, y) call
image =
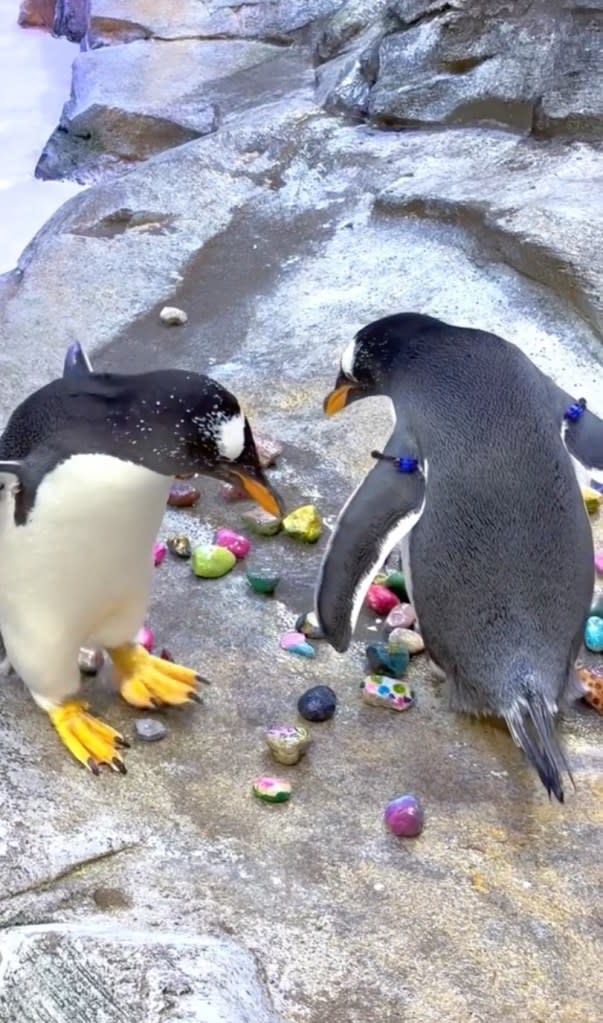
point(404, 816)
point(401, 617)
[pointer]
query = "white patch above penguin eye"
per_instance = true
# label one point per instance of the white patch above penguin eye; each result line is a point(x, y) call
point(230, 437)
point(348, 358)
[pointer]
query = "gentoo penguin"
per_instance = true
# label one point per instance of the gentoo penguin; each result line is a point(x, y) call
point(85, 469)
point(477, 482)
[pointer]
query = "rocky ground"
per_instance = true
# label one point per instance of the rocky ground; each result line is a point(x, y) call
point(286, 172)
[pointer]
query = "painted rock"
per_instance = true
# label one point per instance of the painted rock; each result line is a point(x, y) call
point(90, 660)
point(150, 729)
point(234, 542)
point(379, 579)
point(146, 638)
point(261, 522)
point(382, 691)
point(231, 493)
point(317, 704)
point(296, 643)
point(183, 495)
point(396, 583)
point(404, 816)
point(159, 553)
point(401, 617)
point(179, 546)
point(406, 639)
point(211, 561)
point(592, 682)
point(593, 634)
point(596, 608)
point(381, 600)
point(268, 449)
point(166, 655)
point(265, 584)
point(303, 524)
point(272, 790)
point(287, 743)
point(592, 499)
point(599, 562)
point(172, 316)
point(308, 624)
point(382, 661)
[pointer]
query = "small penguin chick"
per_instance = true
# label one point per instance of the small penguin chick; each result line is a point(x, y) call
point(85, 470)
point(478, 486)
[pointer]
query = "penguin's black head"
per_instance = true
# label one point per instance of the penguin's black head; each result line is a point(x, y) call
point(377, 350)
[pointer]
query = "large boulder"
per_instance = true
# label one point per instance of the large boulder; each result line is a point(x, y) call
point(128, 102)
point(83, 972)
point(531, 66)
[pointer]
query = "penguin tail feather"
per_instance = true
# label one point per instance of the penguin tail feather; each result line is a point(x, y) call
point(531, 723)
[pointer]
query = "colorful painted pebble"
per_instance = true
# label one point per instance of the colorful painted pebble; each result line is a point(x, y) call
point(382, 691)
point(183, 495)
point(265, 584)
point(396, 583)
point(211, 561)
point(308, 624)
point(593, 634)
point(146, 638)
point(261, 522)
point(159, 553)
point(179, 546)
point(317, 704)
point(287, 743)
point(401, 617)
point(272, 790)
point(234, 542)
point(303, 524)
point(296, 643)
point(599, 562)
point(406, 639)
point(404, 816)
point(381, 600)
point(383, 661)
point(592, 682)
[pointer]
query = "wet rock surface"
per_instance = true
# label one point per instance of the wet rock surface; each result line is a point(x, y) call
point(281, 233)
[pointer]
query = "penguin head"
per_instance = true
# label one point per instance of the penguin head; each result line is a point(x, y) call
point(377, 351)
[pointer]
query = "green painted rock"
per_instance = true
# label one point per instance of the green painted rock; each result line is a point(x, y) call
point(395, 582)
point(263, 583)
point(261, 522)
point(596, 608)
point(211, 561)
point(304, 524)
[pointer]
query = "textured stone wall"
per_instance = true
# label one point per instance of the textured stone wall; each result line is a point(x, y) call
point(68, 18)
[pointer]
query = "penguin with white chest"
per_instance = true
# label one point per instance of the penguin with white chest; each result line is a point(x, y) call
point(86, 464)
point(477, 484)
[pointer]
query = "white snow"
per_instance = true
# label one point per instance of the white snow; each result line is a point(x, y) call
point(35, 81)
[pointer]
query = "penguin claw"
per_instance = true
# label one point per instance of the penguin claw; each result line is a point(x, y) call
point(89, 740)
point(151, 682)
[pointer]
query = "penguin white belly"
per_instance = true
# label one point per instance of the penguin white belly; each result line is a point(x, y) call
point(84, 556)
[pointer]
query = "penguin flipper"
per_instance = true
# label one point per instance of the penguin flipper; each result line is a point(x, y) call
point(382, 511)
point(583, 437)
point(531, 723)
point(76, 363)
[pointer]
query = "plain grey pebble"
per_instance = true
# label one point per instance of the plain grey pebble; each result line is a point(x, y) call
point(150, 729)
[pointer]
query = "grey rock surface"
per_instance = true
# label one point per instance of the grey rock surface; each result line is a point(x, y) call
point(281, 234)
point(75, 974)
point(531, 66)
point(129, 102)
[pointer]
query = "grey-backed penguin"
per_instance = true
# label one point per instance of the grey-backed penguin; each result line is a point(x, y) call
point(477, 484)
point(85, 469)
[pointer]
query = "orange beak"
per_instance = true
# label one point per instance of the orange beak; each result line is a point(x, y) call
point(260, 493)
point(338, 399)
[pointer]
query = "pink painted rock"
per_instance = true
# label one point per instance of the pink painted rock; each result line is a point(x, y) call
point(268, 449)
point(232, 493)
point(381, 600)
point(401, 617)
point(296, 643)
point(233, 542)
point(146, 638)
point(159, 553)
point(183, 495)
point(599, 562)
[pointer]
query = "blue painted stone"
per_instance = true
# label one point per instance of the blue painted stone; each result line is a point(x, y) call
point(303, 649)
point(596, 608)
point(593, 634)
point(383, 661)
point(317, 704)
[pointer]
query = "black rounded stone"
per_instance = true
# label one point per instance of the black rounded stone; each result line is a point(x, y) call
point(317, 704)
